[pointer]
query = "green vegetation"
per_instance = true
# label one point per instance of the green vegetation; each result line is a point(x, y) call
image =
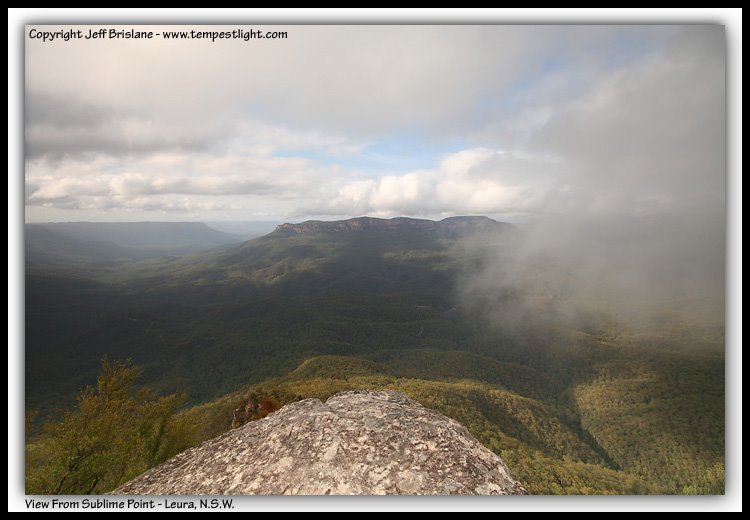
point(117, 432)
point(574, 403)
point(542, 451)
point(541, 439)
point(669, 410)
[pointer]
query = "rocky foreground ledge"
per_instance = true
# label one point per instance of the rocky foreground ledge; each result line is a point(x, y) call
point(357, 442)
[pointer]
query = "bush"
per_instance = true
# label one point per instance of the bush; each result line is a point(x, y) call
point(117, 432)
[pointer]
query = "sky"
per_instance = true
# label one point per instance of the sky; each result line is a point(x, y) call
point(514, 122)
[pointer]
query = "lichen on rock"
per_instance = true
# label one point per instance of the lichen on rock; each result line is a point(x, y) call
point(357, 442)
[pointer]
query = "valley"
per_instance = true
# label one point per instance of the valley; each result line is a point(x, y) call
point(585, 401)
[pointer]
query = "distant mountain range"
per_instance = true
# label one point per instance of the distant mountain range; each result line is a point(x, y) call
point(144, 234)
point(64, 242)
point(97, 242)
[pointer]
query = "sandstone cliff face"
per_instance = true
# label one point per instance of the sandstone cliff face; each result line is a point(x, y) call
point(451, 224)
point(357, 442)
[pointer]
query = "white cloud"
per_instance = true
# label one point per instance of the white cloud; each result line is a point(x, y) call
point(472, 181)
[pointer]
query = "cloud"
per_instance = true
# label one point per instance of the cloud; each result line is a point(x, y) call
point(327, 78)
point(637, 225)
point(472, 181)
point(645, 137)
point(358, 81)
point(518, 120)
point(105, 183)
point(57, 127)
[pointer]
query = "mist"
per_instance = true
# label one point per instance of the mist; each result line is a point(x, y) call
point(636, 229)
point(637, 272)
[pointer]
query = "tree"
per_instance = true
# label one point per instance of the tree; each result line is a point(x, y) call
point(116, 432)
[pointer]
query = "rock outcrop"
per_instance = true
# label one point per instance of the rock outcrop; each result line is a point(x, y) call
point(357, 442)
point(447, 225)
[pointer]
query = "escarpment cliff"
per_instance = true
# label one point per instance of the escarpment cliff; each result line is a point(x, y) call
point(447, 225)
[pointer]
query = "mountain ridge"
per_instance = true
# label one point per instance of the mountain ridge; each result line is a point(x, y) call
point(143, 234)
point(455, 224)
